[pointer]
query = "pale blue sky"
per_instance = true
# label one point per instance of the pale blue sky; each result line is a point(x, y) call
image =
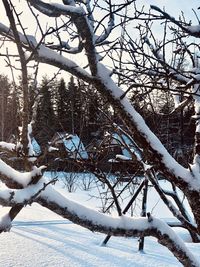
point(174, 7)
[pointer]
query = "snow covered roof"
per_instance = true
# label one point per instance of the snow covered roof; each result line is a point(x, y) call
point(72, 144)
point(36, 146)
point(127, 144)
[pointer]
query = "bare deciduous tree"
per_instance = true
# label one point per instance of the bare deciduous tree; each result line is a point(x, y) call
point(90, 34)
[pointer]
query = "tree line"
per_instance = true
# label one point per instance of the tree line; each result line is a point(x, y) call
point(76, 107)
point(73, 107)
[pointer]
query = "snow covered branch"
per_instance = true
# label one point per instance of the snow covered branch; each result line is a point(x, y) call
point(177, 214)
point(155, 151)
point(193, 30)
point(56, 10)
point(142, 134)
point(174, 73)
point(15, 179)
point(82, 24)
point(117, 226)
point(5, 146)
point(95, 221)
point(25, 196)
point(5, 223)
point(48, 56)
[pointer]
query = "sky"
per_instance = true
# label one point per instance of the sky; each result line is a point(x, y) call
point(174, 7)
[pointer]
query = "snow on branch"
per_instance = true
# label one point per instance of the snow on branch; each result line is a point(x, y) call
point(83, 26)
point(152, 142)
point(173, 72)
point(11, 197)
point(193, 30)
point(96, 221)
point(9, 175)
point(65, 47)
point(56, 10)
point(106, 85)
point(4, 29)
point(103, 82)
point(7, 146)
point(107, 30)
point(17, 199)
point(117, 226)
point(48, 56)
point(72, 2)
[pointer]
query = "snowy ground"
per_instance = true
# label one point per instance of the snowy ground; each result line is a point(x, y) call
point(41, 238)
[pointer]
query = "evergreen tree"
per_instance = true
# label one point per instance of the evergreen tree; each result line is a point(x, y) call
point(8, 109)
point(75, 102)
point(45, 121)
point(12, 115)
point(4, 93)
point(92, 109)
point(94, 114)
point(63, 107)
point(79, 108)
point(32, 92)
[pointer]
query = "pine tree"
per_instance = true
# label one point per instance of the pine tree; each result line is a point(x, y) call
point(79, 109)
point(91, 113)
point(12, 115)
point(63, 107)
point(75, 101)
point(45, 121)
point(4, 93)
point(9, 110)
point(33, 92)
point(92, 108)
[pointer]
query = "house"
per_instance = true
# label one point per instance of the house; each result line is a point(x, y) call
point(126, 145)
point(119, 146)
point(114, 152)
point(69, 145)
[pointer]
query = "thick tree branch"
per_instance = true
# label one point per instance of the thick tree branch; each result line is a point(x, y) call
point(15, 179)
point(120, 226)
point(25, 196)
point(79, 18)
